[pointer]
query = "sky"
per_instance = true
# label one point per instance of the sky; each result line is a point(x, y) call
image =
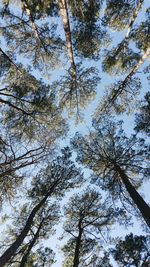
point(84, 129)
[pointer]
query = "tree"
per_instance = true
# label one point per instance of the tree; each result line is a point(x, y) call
point(121, 57)
point(24, 35)
point(120, 94)
point(86, 218)
point(53, 181)
point(142, 119)
point(40, 230)
point(118, 14)
point(63, 7)
point(29, 105)
point(119, 163)
point(97, 261)
point(132, 251)
point(13, 160)
point(78, 92)
point(88, 34)
point(30, 124)
point(124, 58)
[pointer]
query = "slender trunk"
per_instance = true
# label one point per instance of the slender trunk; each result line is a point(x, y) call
point(34, 27)
point(133, 18)
point(66, 25)
point(137, 199)
point(117, 92)
point(26, 255)
point(77, 247)
point(129, 76)
point(13, 248)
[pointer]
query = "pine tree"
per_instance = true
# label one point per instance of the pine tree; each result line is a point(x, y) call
point(119, 163)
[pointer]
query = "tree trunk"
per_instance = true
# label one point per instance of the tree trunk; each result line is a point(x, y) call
point(13, 248)
point(26, 255)
point(129, 76)
point(34, 27)
point(133, 18)
point(137, 199)
point(66, 25)
point(77, 247)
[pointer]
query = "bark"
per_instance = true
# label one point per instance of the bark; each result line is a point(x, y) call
point(78, 246)
point(31, 18)
point(66, 25)
point(116, 93)
point(133, 18)
point(129, 76)
point(14, 247)
point(26, 255)
point(137, 199)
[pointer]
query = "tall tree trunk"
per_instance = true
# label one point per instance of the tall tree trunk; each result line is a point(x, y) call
point(26, 255)
point(134, 16)
point(31, 18)
point(13, 248)
point(66, 25)
point(137, 199)
point(114, 94)
point(129, 28)
point(77, 247)
point(129, 76)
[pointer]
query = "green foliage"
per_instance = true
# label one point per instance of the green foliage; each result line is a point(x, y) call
point(79, 88)
point(59, 176)
point(142, 119)
point(117, 13)
point(33, 38)
point(140, 33)
point(132, 251)
point(120, 60)
point(29, 106)
point(24, 36)
point(108, 145)
point(86, 218)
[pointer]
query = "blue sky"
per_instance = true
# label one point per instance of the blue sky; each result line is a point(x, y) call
point(86, 124)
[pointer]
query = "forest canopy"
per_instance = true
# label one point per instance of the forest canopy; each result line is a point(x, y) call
point(75, 128)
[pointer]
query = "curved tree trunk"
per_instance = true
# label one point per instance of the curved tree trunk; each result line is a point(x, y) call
point(135, 196)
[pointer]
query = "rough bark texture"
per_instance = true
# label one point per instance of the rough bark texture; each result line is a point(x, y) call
point(137, 199)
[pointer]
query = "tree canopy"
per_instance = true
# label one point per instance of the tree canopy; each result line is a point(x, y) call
point(74, 133)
